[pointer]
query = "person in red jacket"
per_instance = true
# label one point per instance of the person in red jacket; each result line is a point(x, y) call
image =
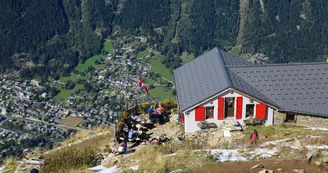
point(254, 137)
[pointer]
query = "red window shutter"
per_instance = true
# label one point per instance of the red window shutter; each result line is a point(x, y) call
point(220, 108)
point(200, 113)
point(239, 110)
point(182, 117)
point(261, 111)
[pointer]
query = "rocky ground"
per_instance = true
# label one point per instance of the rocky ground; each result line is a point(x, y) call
point(265, 166)
point(286, 148)
point(279, 149)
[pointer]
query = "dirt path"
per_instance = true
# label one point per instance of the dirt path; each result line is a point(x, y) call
point(287, 166)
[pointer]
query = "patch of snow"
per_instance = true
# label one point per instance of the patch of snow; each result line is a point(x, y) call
point(313, 147)
point(263, 152)
point(315, 136)
point(178, 170)
point(315, 128)
point(169, 155)
point(295, 147)
point(96, 168)
point(235, 155)
point(227, 155)
point(1, 168)
point(102, 169)
point(135, 168)
point(274, 142)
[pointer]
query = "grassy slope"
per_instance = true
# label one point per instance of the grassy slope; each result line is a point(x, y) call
point(108, 46)
point(73, 77)
point(158, 67)
point(87, 63)
point(187, 57)
point(71, 121)
point(160, 93)
point(10, 165)
point(66, 93)
point(143, 54)
point(91, 61)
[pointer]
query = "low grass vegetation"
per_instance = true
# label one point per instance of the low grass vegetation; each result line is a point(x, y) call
point(73, 77)
point(89, 62)
point(235, 50)
point(63, 95)
point(105, 135)
point(70, 158)
point(108, 46)
point(160, 93)
point(143, 54)
point(187, 57)
point(99, 141)
point(153, 159)
point(82, 169)
point(159, 68)
point(71, 121)
point(81, 134)
point(10, 165)
point(267, 133)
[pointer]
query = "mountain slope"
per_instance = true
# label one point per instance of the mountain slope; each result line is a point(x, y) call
point(286, 31)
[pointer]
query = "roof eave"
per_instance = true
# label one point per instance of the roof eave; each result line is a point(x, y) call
point(205, 100)
point(255, 98)
point(304, 113)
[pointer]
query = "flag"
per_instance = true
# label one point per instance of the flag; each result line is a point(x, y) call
point(145, 89)
point(140, 82)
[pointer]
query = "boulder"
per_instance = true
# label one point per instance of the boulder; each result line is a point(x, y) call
point(318, 163)
point(324, 155)
point(298, 170)
point(263, 171)
point(257, 166)
point(279, 169)
point(206, 125)
point(310, 155)
point(266, 171)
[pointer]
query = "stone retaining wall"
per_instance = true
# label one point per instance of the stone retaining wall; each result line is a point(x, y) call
point(312, 121)
point(278, 117)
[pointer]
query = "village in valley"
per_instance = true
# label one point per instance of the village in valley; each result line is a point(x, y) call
point(36, 113)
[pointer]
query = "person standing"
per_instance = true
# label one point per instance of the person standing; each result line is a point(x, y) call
point(150, 110)
point(125, 144)
point(254, 137)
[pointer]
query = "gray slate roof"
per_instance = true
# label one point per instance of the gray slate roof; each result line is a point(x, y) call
point(243, 86)
point(201, 78)
point(301, 88)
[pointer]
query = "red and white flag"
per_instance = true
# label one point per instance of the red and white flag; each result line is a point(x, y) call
point(145, 89)
point(140, 82)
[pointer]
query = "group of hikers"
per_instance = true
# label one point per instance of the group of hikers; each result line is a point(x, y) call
point(157, 112)
point(133, 129)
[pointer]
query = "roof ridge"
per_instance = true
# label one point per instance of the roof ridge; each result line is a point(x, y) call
point(260, 97)
point(228, 78)
point(278, 64)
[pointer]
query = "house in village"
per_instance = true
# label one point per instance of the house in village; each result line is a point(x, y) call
point(218, 87)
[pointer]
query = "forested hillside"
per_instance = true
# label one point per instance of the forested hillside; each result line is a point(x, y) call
point(51, 37)
point(286, 31)
point(45, 35)
point(25, 24)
